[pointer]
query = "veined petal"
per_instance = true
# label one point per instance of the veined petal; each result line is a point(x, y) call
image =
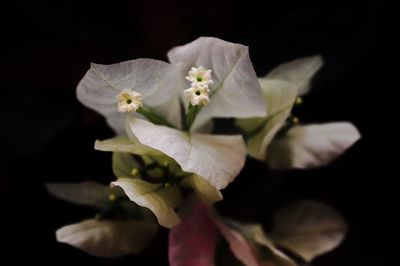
point(216, 158)
point(280, 96)
point(193, 242)
point(202, 188)
point(85, 193)
point(106, 238)
point(308, 228)
point(235, 91)
point(161, 201)
point(155, 80)
point(312, 145)
point(298, 72)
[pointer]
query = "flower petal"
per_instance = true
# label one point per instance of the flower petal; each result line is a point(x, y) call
point(193, 242)
point(237, 91)
point(280, 96)
point(85, 193)
point(308, 228)
point(155, 80)
point(311, 146)
point(298, 72)
point(216, 158)
point(202, 188)
point(161, 201)
point(108, 239)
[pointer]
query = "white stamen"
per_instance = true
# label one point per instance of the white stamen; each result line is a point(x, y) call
point(129, 101)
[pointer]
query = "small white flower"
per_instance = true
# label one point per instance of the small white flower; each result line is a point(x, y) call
point(200, 76)
point(129, 100)
point(198, 95)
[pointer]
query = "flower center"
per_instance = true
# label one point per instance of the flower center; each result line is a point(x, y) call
point(129, 101)
point(199, 79)
point(198, 93)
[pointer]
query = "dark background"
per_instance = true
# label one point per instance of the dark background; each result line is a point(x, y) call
point(47, 136)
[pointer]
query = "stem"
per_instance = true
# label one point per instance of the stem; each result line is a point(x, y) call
point(191, 115)
point(153, 117)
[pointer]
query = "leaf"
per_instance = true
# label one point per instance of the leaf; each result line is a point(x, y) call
point(202, 188)
point(312, 145)
point(193, 242)
point(161, 201)
point(155, 80)
point(85, 193)
point(299, 72)
point(279, 96)
point(308, 228)
point(216, 158)
point(106, 238)
point(236, 91)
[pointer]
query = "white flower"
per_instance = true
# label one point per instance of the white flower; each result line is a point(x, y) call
point(129, 101)
point(303, 146)
point(200, 76)
point(217, 159)
point(198, 94)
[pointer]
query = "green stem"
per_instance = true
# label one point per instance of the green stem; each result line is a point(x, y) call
point(191, 115)
point(153, 117)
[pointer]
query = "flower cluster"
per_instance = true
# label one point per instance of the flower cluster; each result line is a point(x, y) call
point(198, 93)
point(165, 148)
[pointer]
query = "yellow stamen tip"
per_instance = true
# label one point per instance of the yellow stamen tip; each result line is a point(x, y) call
point(112, 197)
point(135, 172)
point(298, 101)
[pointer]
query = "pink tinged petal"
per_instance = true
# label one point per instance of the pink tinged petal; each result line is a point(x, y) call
point(241, 248)
point(193, 242)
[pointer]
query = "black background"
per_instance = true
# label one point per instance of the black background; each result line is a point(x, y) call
point(47, 136)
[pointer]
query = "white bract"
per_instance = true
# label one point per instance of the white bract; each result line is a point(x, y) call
point(302, 146)
point(108, 239)
point(153, 79)
point(308, 228)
